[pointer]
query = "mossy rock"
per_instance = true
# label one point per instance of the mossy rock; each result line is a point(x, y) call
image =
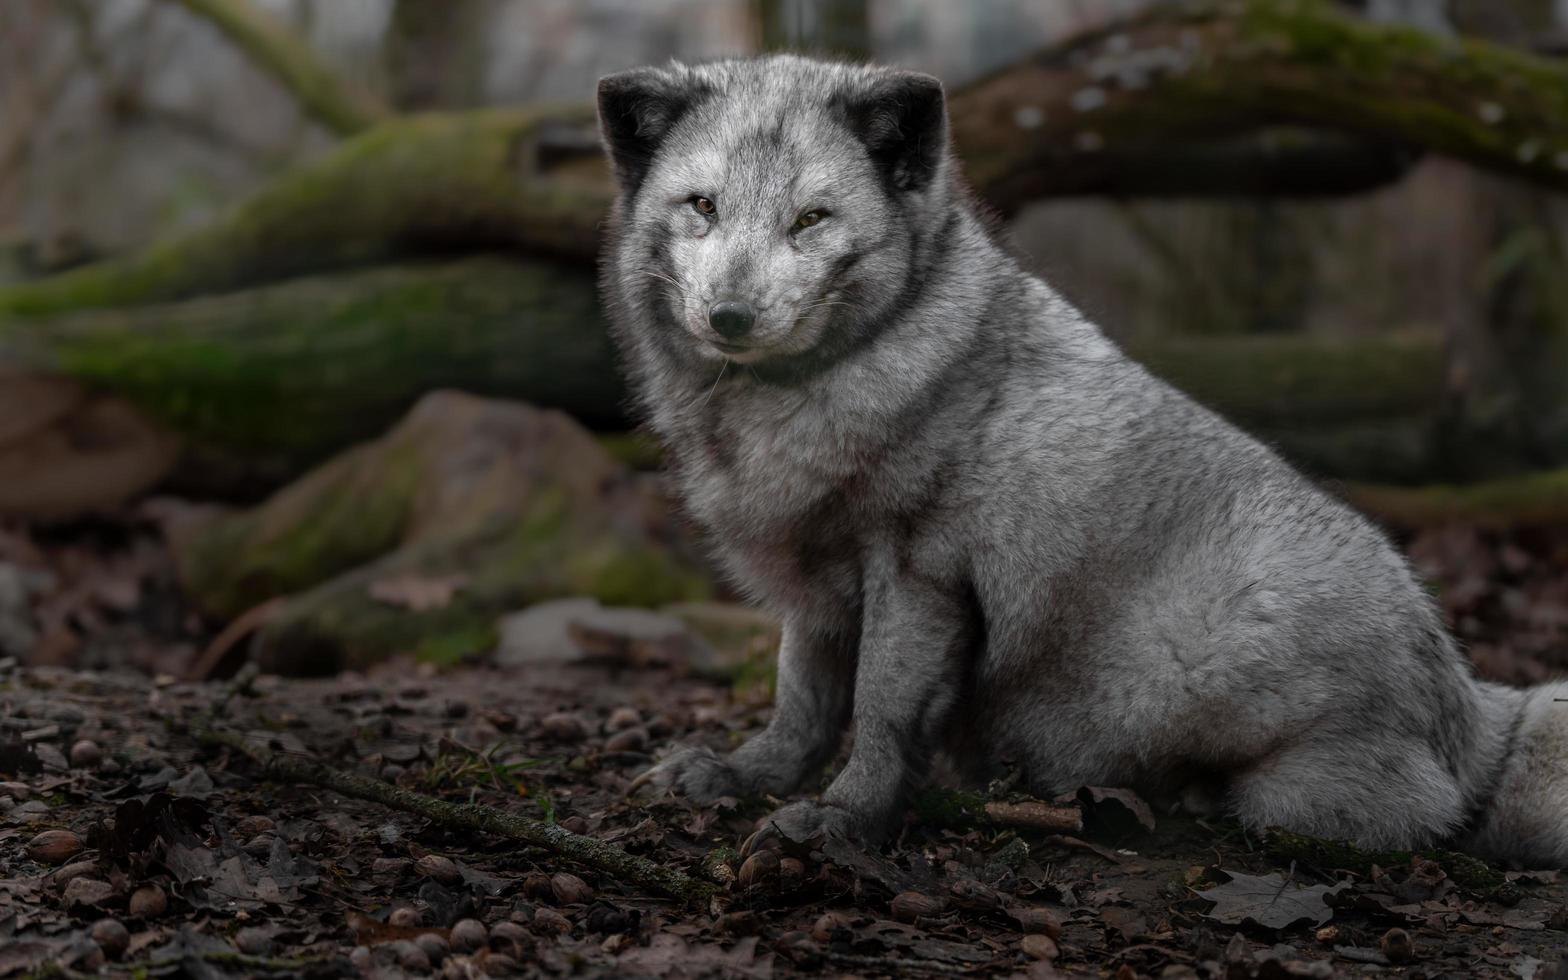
point(485, 505)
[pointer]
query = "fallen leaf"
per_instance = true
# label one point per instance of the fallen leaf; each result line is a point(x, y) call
point(1271, 901)
point(418, 593)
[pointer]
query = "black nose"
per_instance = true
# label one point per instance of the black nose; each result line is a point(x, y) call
point(732, 320)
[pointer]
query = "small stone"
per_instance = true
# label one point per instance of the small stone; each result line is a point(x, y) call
point(86, 754)
point(54, 847)
point(630, 740)
point(623, 718)
point(551, 922)
point(254, 941)
point(827, 925)
point(435, 947)
point(87, 891)
point(1040, 946)
point(569, 889)
point(404, 917)
point(440, 869)
point(913, 906)
point(413, 959)
point(112, 937)
point(563, 726)
point(148, 902)
point(759, 869)
point(469, 935)
point(1397, 946)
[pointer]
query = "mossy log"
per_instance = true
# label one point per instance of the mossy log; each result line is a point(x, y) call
point(1533, 499)
point(418, 541)
point(1224, 97)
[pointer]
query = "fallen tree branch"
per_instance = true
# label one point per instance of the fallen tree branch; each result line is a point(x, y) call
point(963, 810)
point(1531, 500)
point(582, 850)
point(279, 51)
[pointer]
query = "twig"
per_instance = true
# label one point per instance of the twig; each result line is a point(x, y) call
point(586, 851)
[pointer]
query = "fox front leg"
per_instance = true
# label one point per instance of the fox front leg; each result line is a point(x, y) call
point(816, 678)
point(917, 636)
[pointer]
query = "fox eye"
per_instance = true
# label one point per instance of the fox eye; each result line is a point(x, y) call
point(810, 218)
point(704, 206)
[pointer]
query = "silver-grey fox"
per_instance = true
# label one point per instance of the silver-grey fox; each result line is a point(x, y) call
point(987, 531)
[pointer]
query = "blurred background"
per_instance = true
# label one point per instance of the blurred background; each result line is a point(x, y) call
point(242, 241)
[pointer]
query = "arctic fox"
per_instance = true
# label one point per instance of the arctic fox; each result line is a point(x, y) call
point(987, 531)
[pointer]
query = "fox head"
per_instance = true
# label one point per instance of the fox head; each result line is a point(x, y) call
point(773, 211)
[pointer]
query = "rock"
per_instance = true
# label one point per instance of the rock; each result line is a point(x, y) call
point(87, 892)
point(111, 936)
point(54, 847)
point(147, 902)
point(526, 502)
point(469, 935)
point(580, 629)
point(85, 754)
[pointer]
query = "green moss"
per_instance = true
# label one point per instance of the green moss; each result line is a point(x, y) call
point(941, 807)
point(451, 648)
point(1467, 871)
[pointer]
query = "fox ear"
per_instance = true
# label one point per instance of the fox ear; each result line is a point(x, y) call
point(902, 118)
point(637, 109)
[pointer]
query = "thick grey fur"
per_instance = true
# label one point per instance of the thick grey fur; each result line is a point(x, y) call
point(987, 531)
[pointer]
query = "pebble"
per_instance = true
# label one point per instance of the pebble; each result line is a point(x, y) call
point(1040, 946)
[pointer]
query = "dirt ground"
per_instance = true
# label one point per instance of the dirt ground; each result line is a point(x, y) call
point(129, 848)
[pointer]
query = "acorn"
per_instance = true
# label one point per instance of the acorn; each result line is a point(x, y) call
point(148, 902)
point(442, 870)
point(54, 847)
point(623, 718)
point(551, 922)
point(435, 946)
point(570, 889)
point(469, 935)
point(1397, 946)
point(86, 754)
point(112, 937)
point(827, 924)
point(404, 917)
point(536, 885)
point(1038, 920)
point(563, 726)
point(628, 740)
point(760, 869)
point(912, 906)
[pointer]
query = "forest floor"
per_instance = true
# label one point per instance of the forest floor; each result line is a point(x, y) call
point(129, 847)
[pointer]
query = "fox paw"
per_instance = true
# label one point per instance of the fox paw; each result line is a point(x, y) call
point(697, 773)
point(807, 820)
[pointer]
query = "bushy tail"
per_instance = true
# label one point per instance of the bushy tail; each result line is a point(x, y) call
point(1525, 821)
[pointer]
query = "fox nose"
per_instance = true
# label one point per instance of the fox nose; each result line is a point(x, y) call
point(732, 319)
